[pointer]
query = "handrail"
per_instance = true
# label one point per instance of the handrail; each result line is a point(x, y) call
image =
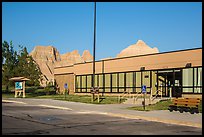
point(151, 98)
point(137, 96)
point(123, 95)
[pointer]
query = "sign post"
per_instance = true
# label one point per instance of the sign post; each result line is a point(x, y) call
point(144, 92)
point(65, 87)
point(19, 85)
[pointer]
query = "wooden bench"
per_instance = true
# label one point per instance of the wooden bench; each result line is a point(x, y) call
point(185, 104)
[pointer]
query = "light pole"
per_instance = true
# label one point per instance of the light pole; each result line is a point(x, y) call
point(94, 45)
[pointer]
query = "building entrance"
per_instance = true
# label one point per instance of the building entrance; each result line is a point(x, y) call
point(169, 82)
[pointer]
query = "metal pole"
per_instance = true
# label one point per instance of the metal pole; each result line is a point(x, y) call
point(94, 45)
point(144, 101)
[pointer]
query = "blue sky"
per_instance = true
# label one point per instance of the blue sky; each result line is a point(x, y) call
point(68, 26)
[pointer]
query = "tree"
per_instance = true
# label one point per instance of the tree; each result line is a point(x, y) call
point(30, 68)
point(9, 63)
point(18, 65)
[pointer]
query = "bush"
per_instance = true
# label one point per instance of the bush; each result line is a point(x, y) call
point(40, 92)
point(31, 89)
point(49, 90)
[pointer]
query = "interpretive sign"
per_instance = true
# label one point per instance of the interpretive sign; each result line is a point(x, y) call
point(19, 85)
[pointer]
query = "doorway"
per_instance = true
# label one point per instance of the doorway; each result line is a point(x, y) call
point(169, 82)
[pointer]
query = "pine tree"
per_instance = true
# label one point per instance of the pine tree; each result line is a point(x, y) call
point(18, 65)
point(30, 68)
point(9, 63)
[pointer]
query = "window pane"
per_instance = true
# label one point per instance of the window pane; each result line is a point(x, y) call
point(187, 90)
point(154, 82)
point(146, 78)
point(197, 90)
point(83, 81)
point(83, 90)
point(89, 81)
point(101, 80)
point(96, 81)
point(187, 77)
point(129, 79)
point(107, 80)
point(199, 76)
point(138, 79)
point(121, 79)
point(129, 89)
point(114, 90)
point(198, 80)
point(78, 82)
point(114, 80)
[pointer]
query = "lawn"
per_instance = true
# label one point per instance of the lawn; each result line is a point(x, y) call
point(33, 92)
point(74, 98)
point(162, 105)
point(83, 98)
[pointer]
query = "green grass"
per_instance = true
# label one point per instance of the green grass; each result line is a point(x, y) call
point(83, 99)
point(74, 98)
point(200, 107)
point(162, 105)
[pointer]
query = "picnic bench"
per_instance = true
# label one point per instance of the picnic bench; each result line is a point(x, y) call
point(185, 104)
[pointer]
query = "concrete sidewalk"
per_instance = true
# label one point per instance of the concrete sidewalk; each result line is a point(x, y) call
point(118, 110)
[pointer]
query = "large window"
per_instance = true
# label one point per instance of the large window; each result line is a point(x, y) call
point(89, 83)
point(78, 83)
point(101, 83)
point(121, 82)
point(129, 79)
point(146, 78)
point(187, 80)
point(107, 82)
point(192, 80)
point(114, 82)
point(83, 84)
point(138, 81)
point(198, 80)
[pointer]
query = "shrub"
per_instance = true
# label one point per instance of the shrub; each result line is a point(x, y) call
point(49, 90)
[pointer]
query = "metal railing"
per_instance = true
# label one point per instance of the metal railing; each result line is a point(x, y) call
point(151, 98)
point(124, 94)
point(135, 97)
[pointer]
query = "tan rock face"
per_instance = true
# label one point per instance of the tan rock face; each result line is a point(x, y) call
point(86, 56)
point(72, 57)
point(47, 57)
point(140, 48)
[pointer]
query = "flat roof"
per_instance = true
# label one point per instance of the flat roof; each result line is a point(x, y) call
point(129, 57)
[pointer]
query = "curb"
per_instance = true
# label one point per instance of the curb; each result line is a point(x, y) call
point(12, 101)
point(177, 122)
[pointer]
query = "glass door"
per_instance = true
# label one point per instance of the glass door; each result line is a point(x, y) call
point(177, 89)
point(165, 82)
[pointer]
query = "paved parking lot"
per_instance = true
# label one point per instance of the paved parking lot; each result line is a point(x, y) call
point(39, 118)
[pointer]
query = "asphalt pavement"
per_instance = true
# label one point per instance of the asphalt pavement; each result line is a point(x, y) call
point(117, 110)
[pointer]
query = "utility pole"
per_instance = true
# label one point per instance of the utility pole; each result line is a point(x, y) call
point(94, 45)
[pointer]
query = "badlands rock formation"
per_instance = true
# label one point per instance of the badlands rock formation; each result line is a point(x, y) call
point(86, 56)
point(140, 48)
point(47, 57)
